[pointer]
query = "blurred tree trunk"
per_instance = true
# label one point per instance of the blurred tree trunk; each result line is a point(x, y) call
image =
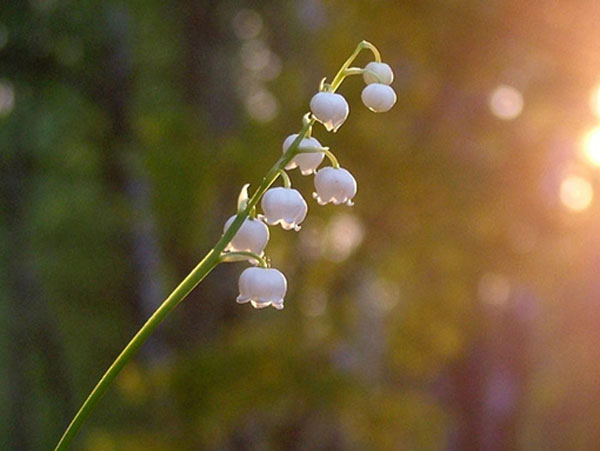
point(487, 387)
point(34, 351)
point(209, 87)
point(126, 176)
point(209, 78)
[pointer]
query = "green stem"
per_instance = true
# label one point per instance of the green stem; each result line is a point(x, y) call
point(332, 158)
point(328, 153)
point(287, 183)
point(339, 77)
point(354, 71)
point(208, 263)
point(241, 256)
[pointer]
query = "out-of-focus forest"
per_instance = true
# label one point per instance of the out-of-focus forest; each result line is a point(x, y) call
point(455, 306)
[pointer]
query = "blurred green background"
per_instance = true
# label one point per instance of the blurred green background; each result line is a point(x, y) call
point(455, 306)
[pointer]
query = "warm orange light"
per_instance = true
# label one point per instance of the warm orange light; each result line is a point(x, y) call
point(591, 146)
point(595, 101)
point(576, 193)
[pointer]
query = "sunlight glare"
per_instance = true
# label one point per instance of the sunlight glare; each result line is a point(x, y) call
point(591, 146)
point(576, 193)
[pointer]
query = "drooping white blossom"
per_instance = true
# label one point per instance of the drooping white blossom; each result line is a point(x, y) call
point(252, 236)
point(307, 162)
point(335, 185)
point(378, 97)
point(330, 109)
point(284, 206)
point(262, 287)
point(378, 73)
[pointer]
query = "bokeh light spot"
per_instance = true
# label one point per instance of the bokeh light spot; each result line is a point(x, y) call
point(344, 234)
point(493, 289)
point(247, 24)
point(262, 106)
point(506, 102)
point(591, 146)
point(255, 55)
point(576, 193)
point(315, 303)
point(7, 98)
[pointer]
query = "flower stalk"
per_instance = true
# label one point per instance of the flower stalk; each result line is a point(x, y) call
point(286, 178)
point(246, 208)
point(240, 256)
point(206, 265)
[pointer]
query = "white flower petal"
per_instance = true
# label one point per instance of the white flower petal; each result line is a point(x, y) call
point(284, 206)
point(378, 97)
point(378, 73)
point(252, 236)
point(333, 185)
point(330, 109)
point(307, 162)
point(262, 287)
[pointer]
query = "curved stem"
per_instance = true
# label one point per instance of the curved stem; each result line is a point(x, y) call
point(339, 77)
point(372, 49)
point(241, 256)
point(287, 183)
point(328, 153)
point(193, 278)
point(334, 161)
point(354, 71)
point(361, 71)
point(206, 265)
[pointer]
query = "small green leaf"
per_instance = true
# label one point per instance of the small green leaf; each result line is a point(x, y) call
point(243, 198)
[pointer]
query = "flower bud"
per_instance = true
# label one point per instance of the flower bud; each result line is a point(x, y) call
point(378, 97)
point(378, 73)
point(284, 206)
point(307, 162)
point(262, 287)
point(334, 185)
point(252, 236)
point(330, 109)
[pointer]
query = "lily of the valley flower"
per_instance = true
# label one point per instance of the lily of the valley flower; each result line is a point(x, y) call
point(262, 287)
point(330, 109)
point(284, 206)
point(335, 185)
point(252, 236)
point(307, 162)
point(378, 73)
point(378, 97)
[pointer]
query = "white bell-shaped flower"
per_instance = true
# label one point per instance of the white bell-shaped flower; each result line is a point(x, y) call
point(330, 109)
point(307, 162)
point(335, 185)
point(262, 287)
point(378, 97)
point(284, 206)
point(252, 236)
point(378, 73)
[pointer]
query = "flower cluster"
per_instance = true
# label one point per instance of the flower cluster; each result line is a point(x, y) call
point(246, 234)
point(261, 285)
